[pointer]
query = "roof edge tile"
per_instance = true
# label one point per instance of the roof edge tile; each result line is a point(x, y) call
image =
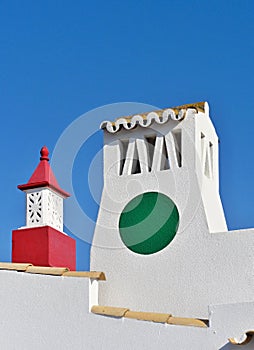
point(90, 274)
point(109, 310)
point(14, 266)
point(158, 116)
point(44, 270)
point(147, 316)
point(47, 270)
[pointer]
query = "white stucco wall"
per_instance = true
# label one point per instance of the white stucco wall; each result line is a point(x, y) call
point(50, 312)
point(204, 264)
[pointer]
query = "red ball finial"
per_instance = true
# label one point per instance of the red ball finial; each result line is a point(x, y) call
point(44, 153)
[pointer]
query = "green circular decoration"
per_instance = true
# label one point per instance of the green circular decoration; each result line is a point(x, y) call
point(148, 223)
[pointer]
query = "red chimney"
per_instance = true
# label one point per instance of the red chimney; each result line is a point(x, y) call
point(42, 241)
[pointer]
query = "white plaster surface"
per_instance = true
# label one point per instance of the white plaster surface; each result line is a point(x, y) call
point(204, 264)
point(50, 312)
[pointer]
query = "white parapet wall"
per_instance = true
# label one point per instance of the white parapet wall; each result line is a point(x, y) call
point(52, 312)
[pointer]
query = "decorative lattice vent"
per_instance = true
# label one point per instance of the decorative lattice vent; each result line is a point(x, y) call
point(34, 208)
point(44, 208)
point(54, 208)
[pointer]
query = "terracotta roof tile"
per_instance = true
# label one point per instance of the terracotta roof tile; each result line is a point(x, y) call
point(182, 321)
point(146, 119)
point(91, 274)
point(147, 316)
point(109, 310)
point(13, 266)
point(55, 271)
point(245, 338)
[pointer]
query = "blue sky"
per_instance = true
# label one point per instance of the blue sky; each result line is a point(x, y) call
point(61, 59)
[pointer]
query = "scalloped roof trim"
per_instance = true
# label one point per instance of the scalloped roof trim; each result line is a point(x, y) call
point(147, 119)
